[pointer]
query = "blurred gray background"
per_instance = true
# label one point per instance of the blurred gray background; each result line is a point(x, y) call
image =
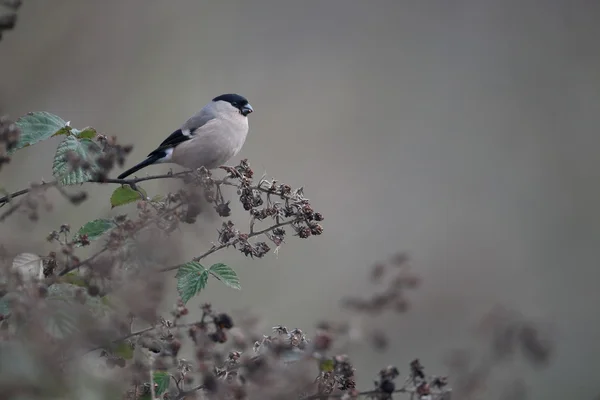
point(464, 132)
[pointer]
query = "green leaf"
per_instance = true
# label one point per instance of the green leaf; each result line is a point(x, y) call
point(74, 278)
point(226, 275)
point(4, 306)
point(123, 349)
point(125, 195)
point(66, 131)
point(161, 380)
point(191, 279)
point(96, 228)
point(85, 150)
point(37, 126)
point(86, 133)
point(326, 365)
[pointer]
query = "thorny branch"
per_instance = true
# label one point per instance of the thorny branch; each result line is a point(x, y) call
point(146, 224)
point(294, 211)
point(232, 243)
point(133, 183)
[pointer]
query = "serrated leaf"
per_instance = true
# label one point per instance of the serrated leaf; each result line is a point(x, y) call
point(29, 265)
point(125, 195)
point(63, 313)
point(123, 349)
point(191, 279)
point(226, 275)
point(96, 228)
point(86, 133)
point(60, 320)
point(85, 150)
point(37, 126)
point(161, 382)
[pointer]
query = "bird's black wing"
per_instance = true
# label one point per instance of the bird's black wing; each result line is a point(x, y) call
point(171, 141)
point(175, 138)
point(186, 132)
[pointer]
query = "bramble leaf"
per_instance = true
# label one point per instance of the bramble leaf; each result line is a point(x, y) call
point(226, 275)
point(66, 306)
point(37, 126)
point(84, 150)
point(125, 195)
point(86, 133)
point(123, 349)
point(191, 279)
point(29, 265)
point(96, 228)
point(62, 313)
point(161, 382)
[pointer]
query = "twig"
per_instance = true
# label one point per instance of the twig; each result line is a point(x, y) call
point(182, 395)
point(128, 336)
point(9, 197)
point(412, 391)
point(133, 181)
point(367, 393)
point(14, 207)
point(98, 253)
point(9, 212)
point(134, 334)
point(222, 246)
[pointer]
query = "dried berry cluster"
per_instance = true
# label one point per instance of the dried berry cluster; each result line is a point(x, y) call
point(426, 388)
point(266, 199)
point(9, 137)
point(111, 153)
point(397, 278)
point(230, 236)
point(8, 21)
point(338, 377)
point(212, 326)
point(509, 333)
point(273, 369)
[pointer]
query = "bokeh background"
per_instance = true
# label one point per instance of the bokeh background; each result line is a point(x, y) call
point(464, 132)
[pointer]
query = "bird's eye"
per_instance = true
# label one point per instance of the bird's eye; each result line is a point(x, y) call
point(234, 104)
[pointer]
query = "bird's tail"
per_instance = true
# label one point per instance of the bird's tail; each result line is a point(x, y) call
point(148, 161)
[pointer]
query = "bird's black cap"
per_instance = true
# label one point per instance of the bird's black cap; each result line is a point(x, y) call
point(239, 102)
point(234, 99)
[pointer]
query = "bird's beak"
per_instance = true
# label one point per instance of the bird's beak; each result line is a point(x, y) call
point(247, 109)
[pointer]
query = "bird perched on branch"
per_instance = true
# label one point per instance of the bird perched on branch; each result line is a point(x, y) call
point(208, 139)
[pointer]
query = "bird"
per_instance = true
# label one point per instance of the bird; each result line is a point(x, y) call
point(207, 139)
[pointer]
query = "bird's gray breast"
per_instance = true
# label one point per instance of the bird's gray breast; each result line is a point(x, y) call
point(213, 144)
